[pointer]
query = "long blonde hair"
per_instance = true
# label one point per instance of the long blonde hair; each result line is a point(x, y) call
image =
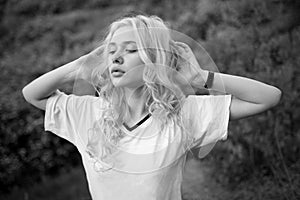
point(159, 53)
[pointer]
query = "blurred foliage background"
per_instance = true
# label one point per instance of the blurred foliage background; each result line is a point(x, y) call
point(252, 38)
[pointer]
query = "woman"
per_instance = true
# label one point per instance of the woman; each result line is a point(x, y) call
point(134, 137)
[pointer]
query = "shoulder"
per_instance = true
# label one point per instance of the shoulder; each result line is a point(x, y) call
point(74, 101)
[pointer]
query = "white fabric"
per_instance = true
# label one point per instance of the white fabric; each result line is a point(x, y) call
point(150, 162)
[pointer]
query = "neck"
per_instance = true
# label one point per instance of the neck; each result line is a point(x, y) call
point(136, 100)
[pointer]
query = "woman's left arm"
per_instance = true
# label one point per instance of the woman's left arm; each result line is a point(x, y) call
point(250, 97)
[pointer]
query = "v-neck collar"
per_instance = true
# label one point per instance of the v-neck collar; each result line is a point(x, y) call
point(136, 125)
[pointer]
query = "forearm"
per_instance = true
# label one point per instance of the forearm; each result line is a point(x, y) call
point(46, 84)
point(247, 89)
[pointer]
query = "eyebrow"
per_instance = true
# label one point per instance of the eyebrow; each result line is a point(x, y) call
point(125, 42)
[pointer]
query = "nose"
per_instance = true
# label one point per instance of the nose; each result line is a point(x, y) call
point(118, 60)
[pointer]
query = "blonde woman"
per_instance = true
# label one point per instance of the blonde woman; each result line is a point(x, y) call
point(134, 135)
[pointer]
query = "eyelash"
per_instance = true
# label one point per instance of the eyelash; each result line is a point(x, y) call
point(130, 51)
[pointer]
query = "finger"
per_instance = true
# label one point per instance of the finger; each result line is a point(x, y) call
point(181, 49)
point(183, 45)
point(98, 51)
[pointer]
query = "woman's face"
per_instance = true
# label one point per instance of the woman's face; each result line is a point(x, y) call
point(125, 65)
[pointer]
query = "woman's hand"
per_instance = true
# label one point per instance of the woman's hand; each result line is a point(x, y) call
point(190, 76)
point(86, 64)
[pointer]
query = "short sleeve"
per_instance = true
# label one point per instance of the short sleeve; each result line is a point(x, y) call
point(65, 113)
point(206, 119)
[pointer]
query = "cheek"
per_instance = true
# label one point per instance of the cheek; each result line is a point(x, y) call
point(136, 73)
point(135, 60)
point(140, 73)
point(135, 76)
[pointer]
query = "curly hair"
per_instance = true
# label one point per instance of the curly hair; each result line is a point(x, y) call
point(160, 55)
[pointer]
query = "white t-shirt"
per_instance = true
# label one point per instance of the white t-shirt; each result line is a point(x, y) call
point(149, 162)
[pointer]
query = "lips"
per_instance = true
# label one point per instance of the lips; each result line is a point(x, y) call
point(116, 72)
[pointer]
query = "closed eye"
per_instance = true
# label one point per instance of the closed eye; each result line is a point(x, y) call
point(131, 51)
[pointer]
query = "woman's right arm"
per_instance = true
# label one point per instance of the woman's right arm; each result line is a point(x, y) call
point(38, 91)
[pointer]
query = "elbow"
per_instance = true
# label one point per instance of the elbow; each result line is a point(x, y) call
point(273, 98)
point(25, 94)
point(276, 97)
